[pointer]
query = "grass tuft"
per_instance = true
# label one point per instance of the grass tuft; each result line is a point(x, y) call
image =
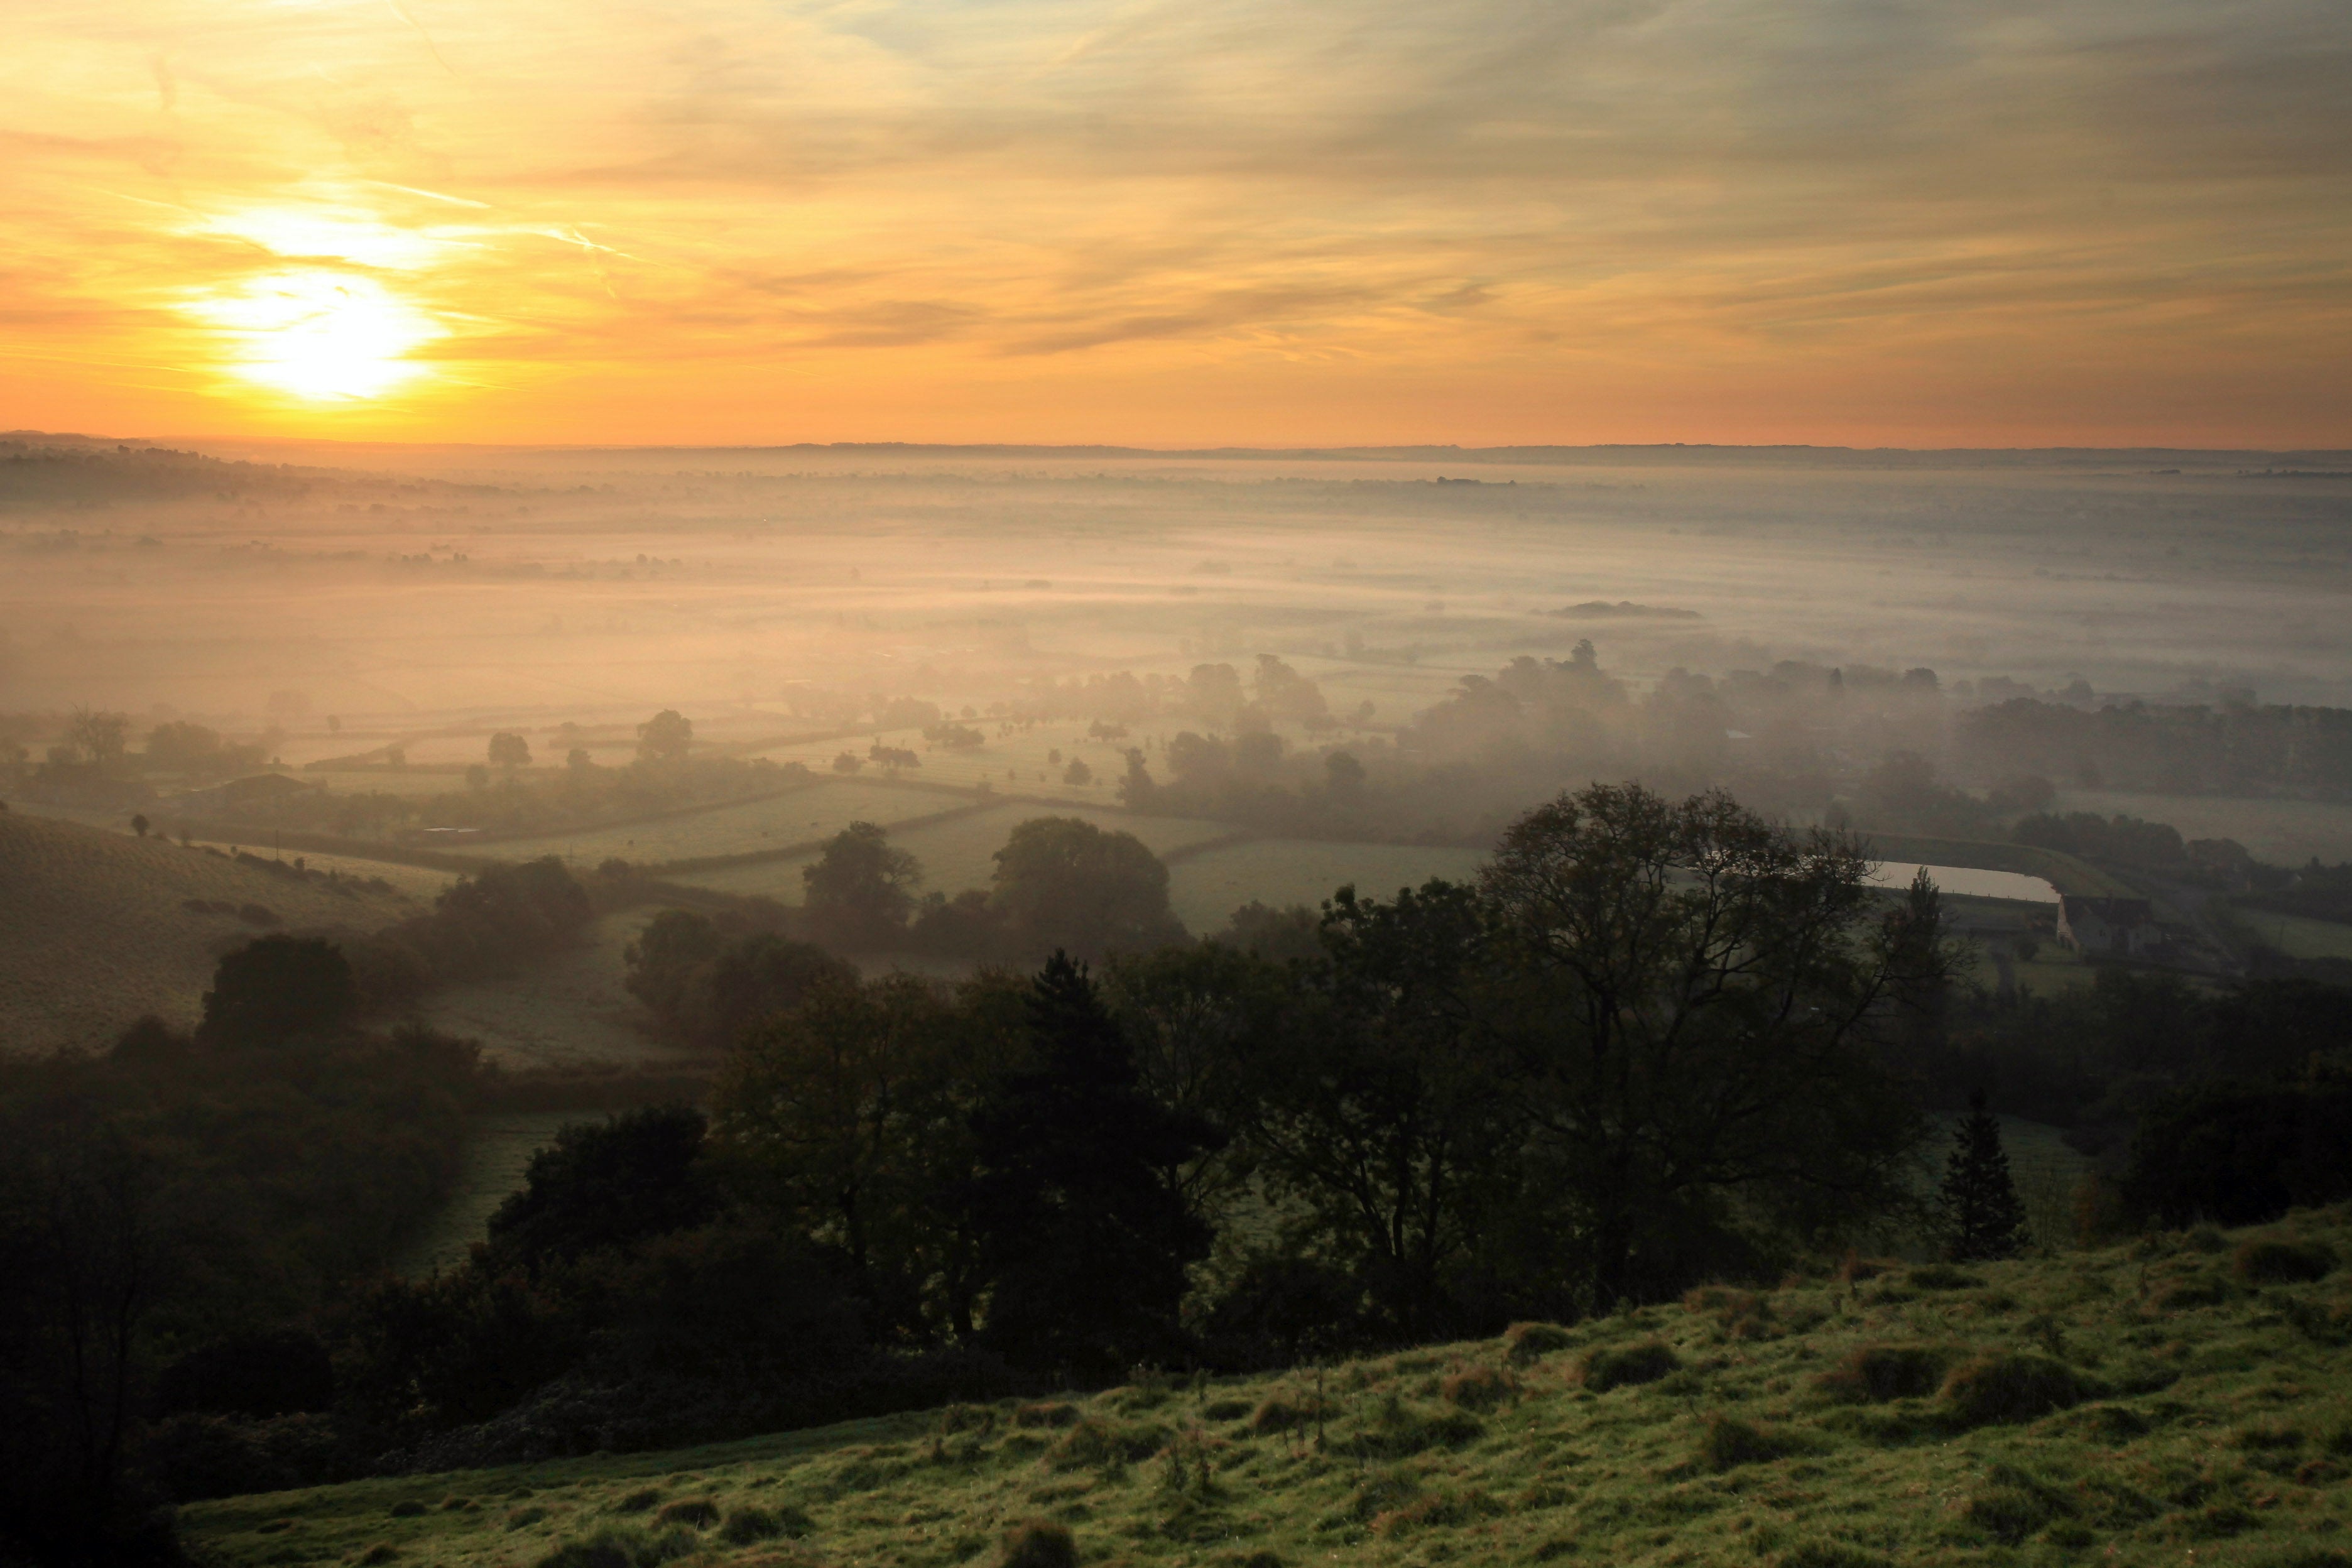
point(1038, 1543)
point(2270, 1261)
point(1030, 1417)
point(694, 1513)
point(1524, 1344)
point(1478, 1387)
point(1879, 1374)
point(1605, 1367)
point(1729, 1442)
point(2007, 1388)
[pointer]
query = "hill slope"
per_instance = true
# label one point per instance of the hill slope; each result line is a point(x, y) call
point(96, 928)
point(2181, 1400)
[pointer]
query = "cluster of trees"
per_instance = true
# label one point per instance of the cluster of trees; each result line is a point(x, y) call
point(2226, 1105)
point(92, 757)
point(165, 1204)
point(1467, 765)
point(1650, 1046)
point(483, 925)
point(1060, 882)
point(2237, 748)
point(664, 776)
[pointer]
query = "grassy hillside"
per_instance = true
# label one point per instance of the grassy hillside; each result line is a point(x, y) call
point(96, 927)
point(2185, 1399)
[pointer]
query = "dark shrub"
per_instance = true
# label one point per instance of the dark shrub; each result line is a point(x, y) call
point(2010, 1388)
point(1881, 1372)
point(1038, 1543)
point(2274, 1262)
point(193, 1456)
point(604, 1184)
point(275, 988)
point(268, 1372)
point(639, 1501)
point(2240, 1154)
point(1605, 1367)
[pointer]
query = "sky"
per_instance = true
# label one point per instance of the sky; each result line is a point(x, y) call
point(1180, 222)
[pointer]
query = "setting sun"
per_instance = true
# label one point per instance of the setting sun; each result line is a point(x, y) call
point(321, 336)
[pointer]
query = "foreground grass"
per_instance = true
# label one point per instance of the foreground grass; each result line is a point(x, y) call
point(2184, 1400)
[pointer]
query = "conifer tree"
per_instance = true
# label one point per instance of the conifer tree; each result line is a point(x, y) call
point(1983, 1217)
point(1084, 1245)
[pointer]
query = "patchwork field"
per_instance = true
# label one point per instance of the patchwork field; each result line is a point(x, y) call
point(1023, 759)
point(796, 816)
point(1207, 887)
point(2182, 1400)
point(96, 927)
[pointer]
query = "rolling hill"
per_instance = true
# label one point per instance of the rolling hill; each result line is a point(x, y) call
point(2180, 1399)
point(97, 928)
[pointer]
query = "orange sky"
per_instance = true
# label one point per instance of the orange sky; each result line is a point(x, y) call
point(1940, 222)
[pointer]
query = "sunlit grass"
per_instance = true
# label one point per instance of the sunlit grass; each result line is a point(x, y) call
point(2209, 1415)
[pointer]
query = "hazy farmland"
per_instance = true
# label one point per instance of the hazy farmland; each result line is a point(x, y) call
point(386, 611)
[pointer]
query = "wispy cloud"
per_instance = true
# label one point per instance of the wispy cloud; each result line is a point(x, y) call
point(1482, 220)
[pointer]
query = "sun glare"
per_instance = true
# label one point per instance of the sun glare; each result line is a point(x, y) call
point(321, 336)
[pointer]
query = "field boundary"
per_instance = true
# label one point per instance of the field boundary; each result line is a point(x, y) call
point(701, 863)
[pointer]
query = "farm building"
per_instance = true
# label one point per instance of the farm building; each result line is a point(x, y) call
point(2124, 927)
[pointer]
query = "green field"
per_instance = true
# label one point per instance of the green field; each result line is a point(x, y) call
point(2297, 936)
point(2140, 1405)
point(960, 853)
point(796, 816)
point(1206, 888)
point(2282, 832)
point(498, 1155)
point(568, 1010)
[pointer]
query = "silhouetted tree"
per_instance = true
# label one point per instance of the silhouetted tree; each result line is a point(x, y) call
point(1062, 882)
point(1082, 1246)
point(1697, 1001)
point(509, 750)
point(276, 988)
point(860, 890)
point(87, 1257)
point(666, 737)
point(1983, 1217)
